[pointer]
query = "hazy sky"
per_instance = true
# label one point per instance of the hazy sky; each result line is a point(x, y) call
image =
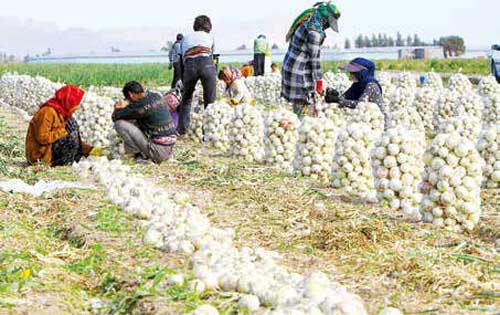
point(476, 20)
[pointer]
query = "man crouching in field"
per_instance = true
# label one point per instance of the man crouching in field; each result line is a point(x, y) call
point(144, 123)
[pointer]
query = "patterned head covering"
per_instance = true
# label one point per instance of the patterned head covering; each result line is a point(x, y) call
point(230, 74)
point(324, 15)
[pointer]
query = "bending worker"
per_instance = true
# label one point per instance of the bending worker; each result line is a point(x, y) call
point(235, 86)
point(364, 89)
point(144, 123)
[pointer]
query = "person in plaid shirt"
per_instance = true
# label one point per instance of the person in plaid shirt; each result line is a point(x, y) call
point(301, 74)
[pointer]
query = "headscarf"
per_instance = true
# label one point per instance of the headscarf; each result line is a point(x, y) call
point(66, 98)
point(364, 76)
point(318, 23)
point(230, 74)
point(320, 14)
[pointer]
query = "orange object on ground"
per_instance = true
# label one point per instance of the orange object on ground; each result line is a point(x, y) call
point(247, 71)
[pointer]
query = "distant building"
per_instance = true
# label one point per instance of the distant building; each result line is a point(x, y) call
point(430, 52)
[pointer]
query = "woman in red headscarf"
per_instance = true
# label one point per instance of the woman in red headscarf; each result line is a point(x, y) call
point(53, 134)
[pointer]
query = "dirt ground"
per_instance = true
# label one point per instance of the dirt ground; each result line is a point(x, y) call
point(81, 249)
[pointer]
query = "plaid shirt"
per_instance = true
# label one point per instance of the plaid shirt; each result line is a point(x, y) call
point(302, 66)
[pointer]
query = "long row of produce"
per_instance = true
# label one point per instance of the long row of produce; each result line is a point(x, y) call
point(439, 146)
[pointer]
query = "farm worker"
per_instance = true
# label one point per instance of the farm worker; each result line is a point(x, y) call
point(53, 134)
point(235, 86)
point(261, 50)
point(198, 63)
point(275, 68)
point(175, 57)
point(301, 74)
point(247, 70)
point(364, 89)
point(153, 135)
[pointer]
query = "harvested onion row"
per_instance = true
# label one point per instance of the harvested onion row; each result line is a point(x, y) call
point(352, 170)
point(407, 118)
point(367, 113)
point(491, 110)
point(452, 183)
point(94, 118)
point(175, 225)
point(466, 126)
point(488, 86)
point(281, 131)
point(489, 148)
point(425, 102)
point(246, 135)
point(445, 107)
point(195, 132)
point(460, 83)
point(434, 81)
point(217, 120)
point(398, 169)
point(401, 98)
point(338, 81)
point(316, 148)
point(469, 104)
point(333, 113)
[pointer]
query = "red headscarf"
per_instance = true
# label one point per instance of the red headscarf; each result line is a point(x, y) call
point(67, 98)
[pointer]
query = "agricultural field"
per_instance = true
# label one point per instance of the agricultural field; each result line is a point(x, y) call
point(252, 182)
point(160, 75)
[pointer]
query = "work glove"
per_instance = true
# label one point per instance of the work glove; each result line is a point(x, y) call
point(332, 96)
point(319, 87)
point(96, 152)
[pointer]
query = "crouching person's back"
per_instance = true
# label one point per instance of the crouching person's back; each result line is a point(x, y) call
point(144, 123)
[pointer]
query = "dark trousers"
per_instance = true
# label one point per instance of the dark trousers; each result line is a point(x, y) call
point(200, 68)
point(68, 149)
point(259, 64)
point(177, 73)
point(495, 70)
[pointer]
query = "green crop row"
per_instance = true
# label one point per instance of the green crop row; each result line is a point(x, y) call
point(466, 66)
point(85, 75)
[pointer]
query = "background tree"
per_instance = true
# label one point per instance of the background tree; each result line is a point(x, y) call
point(399, 40)
point(380, 39)
point(347, 44)
point(452, 45)
point(391, 42)
point(359, 43)
point(417, 41)
point(374, 41)
point(385, 40)
point(409, 41)
point(367, 42)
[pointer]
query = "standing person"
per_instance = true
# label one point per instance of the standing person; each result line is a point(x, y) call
point(261, 51)
point(198, 64)
point(175, 57)
point(301, 74)
point(235, 86)
point(364, 89)
point(153, 134)
point(53, 135)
